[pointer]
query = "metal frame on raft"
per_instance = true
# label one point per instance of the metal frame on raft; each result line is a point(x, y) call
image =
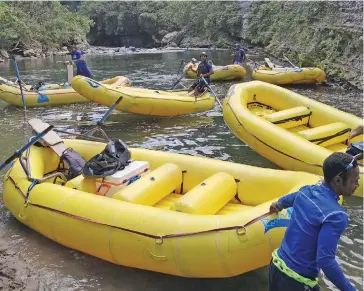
point(25, 164)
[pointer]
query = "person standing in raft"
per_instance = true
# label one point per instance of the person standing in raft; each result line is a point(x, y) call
point(238, 55)
point(316, 224)
point(205, 70)
point(81, 65)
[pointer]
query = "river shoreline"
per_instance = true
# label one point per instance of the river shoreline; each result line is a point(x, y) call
point(29, 261)
point(252, 51)
point(15, 272)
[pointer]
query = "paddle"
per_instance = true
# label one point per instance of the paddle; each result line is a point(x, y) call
point(182, 60)
point(82, 135)
point(210, 53)
point(293, 65)
point(102, 120)
point(212, 91)
point(69, 67)
point(19, 81)
point(179, 69)
point(179, 80)
point(18, 153)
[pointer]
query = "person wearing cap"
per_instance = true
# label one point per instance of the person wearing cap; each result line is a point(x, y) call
point(238, 55)
point(81, 65)
point(192, 65)
point(204, 70)
point(315, 227)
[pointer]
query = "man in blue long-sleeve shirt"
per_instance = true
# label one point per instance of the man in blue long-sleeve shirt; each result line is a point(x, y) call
point(317, 221)
point(81, 65)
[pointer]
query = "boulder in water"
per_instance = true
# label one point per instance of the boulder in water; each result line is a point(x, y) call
point(29, 53)
point(169, 37)
point(4, 54)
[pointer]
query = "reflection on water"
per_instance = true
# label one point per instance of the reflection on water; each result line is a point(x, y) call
point(202, 134)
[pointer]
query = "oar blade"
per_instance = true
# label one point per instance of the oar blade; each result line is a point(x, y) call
point(25, 147)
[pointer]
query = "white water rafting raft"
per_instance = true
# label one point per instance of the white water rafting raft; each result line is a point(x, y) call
point(279, 75)
point(181, 215)
point(221, 73)
point(49, 94)
point(143, 101)
point(291, 130)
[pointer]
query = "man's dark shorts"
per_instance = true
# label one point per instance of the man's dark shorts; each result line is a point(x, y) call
point(200, 85)
point(279, 281)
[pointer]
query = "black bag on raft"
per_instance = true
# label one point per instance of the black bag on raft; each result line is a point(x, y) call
point(113, 158)
point(74, 161)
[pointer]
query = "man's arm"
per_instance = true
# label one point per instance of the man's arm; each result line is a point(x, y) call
point(284, 202)
point(332, 227)
point(357, 131)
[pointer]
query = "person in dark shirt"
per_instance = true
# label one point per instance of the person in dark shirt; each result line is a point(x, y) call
point(205, 70)
point(315, 227)
point(238, 55)
point(81, 65)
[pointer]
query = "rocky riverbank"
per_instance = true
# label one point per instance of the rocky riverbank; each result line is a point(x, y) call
point(314, 33)
point(102, 50)
point(252, 51)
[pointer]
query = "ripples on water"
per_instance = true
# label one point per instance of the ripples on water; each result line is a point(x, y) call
point(202, 134)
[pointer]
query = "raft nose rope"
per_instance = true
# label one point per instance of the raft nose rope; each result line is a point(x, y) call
point(281, 265)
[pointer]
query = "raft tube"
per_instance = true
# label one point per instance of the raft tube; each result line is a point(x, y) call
point(49, 94)
point(189, 216)
point(221, 73)
point(294, 132)
point(143, 101)
point(285, 76)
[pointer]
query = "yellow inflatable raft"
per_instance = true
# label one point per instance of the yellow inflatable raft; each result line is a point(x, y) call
point(292, 131)
point(49, 94)
point(143, 101)
point(188, 216)
point(221, 73)
point(278, 75)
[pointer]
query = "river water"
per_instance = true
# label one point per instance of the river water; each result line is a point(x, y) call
point(202, 134)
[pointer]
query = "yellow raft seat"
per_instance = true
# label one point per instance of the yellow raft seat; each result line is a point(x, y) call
point(221, 73)
point(292, 131)
point(143, 101)
point(189, 216)
point(279, 75)
point(49, 94)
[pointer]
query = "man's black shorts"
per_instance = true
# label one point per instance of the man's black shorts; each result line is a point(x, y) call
point(200, 85)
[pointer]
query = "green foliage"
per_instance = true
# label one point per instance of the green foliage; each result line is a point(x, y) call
point(310, 33)
point(40, 24)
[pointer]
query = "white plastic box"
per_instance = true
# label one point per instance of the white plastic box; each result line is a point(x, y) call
point(109, 185)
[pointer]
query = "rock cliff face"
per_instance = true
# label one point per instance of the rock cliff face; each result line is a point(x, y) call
point(327, 34)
